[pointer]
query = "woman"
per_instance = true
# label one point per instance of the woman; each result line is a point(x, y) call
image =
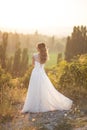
point(42, 95)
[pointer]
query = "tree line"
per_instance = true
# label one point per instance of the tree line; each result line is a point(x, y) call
point(29, 41)
point(16, 50)
point(16, 65)
point(76, 43)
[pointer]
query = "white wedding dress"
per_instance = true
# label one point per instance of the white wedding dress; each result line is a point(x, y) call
point(42, 95)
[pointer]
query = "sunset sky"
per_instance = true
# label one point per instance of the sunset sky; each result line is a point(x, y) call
point(47, 16)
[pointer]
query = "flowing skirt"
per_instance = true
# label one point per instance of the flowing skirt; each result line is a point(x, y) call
point(42, 95)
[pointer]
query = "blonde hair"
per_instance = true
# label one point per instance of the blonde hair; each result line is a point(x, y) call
point(43, 53)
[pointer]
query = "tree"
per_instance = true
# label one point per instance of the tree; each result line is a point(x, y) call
point(17, 62)
point(52, 43)
point(59, 57)
point(3, 48)
point(77, 43)
point(9, 64)
point(24, 61)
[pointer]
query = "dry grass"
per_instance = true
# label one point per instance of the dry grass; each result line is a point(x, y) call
point(10, 98)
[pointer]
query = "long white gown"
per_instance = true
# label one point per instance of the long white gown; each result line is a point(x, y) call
point(42, 95)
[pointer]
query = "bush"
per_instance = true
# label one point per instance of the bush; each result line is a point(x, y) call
point(71, 77)
point(25, 79)
point(55, 73)
point(4, 78)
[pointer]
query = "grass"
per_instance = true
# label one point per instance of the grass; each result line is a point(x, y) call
point(51, 62)
point(11, 97)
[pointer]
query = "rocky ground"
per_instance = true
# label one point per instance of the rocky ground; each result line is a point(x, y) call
point(75, 119)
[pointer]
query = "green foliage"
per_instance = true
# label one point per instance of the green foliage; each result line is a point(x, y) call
point(4, 78)
point(25, 79)
point(74, 74)
point(70, 78)
point(30, 40)
point(4, 82)
point(17, 62)
point(10, 98)
point(77, 43)
point(9, 65)
point(3, 48)
point(59, 57)
point(52, 60)
point(24, 61)
point(55, 73)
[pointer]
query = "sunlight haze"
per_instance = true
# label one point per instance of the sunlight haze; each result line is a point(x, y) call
point(47, 16)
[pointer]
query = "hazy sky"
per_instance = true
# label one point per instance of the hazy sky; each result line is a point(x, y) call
point(46, 16)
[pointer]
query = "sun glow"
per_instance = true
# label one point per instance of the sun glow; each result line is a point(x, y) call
point(42, 14)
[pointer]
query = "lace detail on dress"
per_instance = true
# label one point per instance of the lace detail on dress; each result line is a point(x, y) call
point(36, 57)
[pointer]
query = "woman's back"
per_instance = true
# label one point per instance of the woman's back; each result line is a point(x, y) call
point(37, 61)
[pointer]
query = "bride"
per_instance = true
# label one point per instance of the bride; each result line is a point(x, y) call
point(42, 95)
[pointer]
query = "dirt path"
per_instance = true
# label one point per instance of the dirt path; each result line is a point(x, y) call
point(57, 120)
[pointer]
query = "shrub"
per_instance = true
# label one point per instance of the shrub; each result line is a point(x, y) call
point(71, 77)
point(4, 78)
point(25, 79)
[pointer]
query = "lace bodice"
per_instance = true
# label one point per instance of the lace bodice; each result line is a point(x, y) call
point(37, 61)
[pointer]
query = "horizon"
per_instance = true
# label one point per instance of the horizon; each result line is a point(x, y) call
point(53, 17)
point(57, 31)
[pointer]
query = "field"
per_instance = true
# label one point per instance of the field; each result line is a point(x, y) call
point(51, 62)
